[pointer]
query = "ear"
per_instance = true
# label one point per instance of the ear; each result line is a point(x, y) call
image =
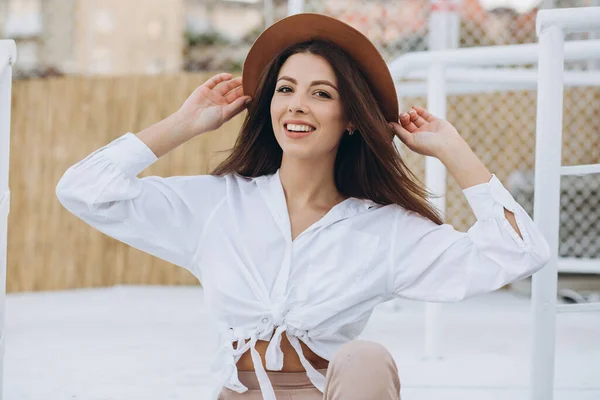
point(350, 127)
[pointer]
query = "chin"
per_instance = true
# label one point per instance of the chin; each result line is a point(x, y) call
point(302, 148)
point(297, 150)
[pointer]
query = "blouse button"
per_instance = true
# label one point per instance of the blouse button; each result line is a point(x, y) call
point(265, 320)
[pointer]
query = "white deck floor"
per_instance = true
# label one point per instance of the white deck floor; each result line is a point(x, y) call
point(133, 342)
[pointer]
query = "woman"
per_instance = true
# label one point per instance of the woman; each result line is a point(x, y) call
point(313, 220)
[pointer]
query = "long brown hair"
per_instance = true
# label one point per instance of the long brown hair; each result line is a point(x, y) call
point(367, 165)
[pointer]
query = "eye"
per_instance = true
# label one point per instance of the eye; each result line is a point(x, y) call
point(281, 89)
point(324, 93)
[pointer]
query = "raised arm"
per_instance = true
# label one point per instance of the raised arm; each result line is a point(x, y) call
point(164, 217)
point(438, 263)
point(161, 216)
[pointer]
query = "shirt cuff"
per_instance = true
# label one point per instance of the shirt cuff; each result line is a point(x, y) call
point(130, 154)
point(489, 199)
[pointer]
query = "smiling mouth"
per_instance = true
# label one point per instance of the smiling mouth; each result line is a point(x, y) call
point(298, 128)
point(297, 134)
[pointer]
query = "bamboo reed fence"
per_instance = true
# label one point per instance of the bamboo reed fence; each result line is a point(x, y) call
point(57, 122)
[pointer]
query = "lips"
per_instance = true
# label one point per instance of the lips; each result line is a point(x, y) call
point(297, 134)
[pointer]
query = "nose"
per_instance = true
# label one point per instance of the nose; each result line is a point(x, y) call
point(297, 104)
point(298, 110)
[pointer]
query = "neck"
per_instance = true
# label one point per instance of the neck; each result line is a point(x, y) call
point(309, 182)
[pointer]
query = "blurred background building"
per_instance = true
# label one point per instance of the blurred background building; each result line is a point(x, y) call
point(164, 36)
point(113, 37)
point(95, 37)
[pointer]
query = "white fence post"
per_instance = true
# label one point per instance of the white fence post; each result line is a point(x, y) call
point(547, 203)
point(8, 55)
point(435, 180)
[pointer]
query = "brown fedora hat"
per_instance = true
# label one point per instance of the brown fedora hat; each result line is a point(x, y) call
point(307, 26)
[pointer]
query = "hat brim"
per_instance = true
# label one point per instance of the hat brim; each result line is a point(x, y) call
point(308, 26)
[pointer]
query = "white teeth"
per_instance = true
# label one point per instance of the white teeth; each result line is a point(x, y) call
point(299, 128)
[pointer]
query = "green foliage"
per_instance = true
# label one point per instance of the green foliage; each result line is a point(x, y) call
point(205, 39)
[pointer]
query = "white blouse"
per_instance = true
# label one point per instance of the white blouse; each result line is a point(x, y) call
point(233, 233)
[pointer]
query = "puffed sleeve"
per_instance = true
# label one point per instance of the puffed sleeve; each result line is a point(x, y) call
point(436, 263)
point(164, 217)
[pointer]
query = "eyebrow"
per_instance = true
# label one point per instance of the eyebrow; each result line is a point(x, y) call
point(313, 83)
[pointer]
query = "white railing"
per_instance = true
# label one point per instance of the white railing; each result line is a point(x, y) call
point(8, 55)
point(481, 80)
point(551, 26)
point(445, 72)
point(514, 54)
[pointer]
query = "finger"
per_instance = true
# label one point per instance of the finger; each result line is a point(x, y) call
point(424, 113)
point(404, 119)
point(215, 80)
point(227, 86)
point(416, 118)
point(236, 107)
point(234, 94)
point(404, 135)
point(407, 123)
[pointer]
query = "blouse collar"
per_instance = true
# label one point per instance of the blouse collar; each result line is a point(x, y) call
point(271, 186)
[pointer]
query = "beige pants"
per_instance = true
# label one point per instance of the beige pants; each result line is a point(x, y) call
point(359, 370)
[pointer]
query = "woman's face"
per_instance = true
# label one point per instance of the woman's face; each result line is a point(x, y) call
point(306, 109)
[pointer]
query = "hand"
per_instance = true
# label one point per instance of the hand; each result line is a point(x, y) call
point(213, 103)
point(425, 134)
